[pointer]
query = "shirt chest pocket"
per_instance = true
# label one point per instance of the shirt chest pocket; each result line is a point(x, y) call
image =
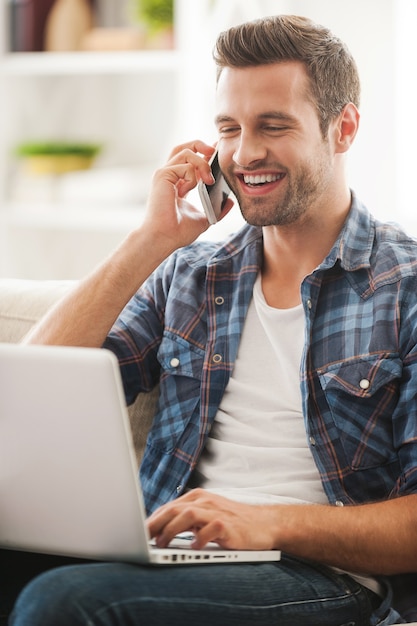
point(180, 358)
point(362, 395)
point(181, 370)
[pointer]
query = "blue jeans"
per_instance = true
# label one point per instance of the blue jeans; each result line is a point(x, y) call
point(291, 592)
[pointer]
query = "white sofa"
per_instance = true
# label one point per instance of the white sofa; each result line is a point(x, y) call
point(23, 302)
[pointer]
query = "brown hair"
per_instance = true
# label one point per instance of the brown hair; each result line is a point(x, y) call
point(332, 71)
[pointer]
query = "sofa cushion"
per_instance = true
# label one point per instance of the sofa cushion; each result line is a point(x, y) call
point(23, 302)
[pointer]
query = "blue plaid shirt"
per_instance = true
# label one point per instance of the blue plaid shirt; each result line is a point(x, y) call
point(359, 368)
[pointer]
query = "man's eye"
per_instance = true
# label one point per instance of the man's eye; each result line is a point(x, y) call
point(229, 130)
point(276, 129)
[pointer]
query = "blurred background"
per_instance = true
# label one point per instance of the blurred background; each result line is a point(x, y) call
point(96, 92)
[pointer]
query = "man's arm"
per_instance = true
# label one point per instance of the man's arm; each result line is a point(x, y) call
point(85, 316)
point(375, 539)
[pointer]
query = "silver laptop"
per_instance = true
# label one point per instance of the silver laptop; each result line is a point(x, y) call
point(68, 472)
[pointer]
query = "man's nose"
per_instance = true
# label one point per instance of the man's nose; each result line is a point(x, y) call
point(249, 150)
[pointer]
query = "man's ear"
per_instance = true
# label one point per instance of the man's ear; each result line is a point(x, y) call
point(345, 128)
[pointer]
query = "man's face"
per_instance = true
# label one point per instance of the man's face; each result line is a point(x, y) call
point(271, 149)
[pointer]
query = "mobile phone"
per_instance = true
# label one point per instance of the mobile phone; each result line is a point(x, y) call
point(213, 197)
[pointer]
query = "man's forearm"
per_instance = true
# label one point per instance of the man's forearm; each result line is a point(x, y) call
point(373, 539)
point(368, 539)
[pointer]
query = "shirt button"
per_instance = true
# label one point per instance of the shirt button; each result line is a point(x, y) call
point(339, 503)
point(179, 489)
point(219, 300)
point(312, 441)
point(174, 362)
point(364, 384)
point(309, 304)
point(217, 358)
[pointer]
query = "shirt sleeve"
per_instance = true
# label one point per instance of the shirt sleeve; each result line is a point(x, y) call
point(404, 421)
point(136, 335)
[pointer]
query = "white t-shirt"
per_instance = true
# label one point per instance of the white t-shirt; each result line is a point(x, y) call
point(257, 449)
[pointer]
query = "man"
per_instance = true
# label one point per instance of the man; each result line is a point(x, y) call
point(286, 358)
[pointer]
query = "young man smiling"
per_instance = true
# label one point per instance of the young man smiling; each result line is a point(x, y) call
point(286, 358)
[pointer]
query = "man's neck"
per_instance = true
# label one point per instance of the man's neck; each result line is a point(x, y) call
point(294, 251)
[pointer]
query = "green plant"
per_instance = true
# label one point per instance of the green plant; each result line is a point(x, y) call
point(57, 148)
point(156, 14)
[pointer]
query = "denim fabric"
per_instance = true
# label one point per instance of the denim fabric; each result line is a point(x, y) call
point(289, 593)
point(17, 568)
point(385, 614)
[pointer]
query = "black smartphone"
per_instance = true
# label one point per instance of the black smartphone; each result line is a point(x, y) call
point(213, 197)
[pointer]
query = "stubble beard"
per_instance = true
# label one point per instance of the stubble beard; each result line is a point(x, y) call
point(303, 189)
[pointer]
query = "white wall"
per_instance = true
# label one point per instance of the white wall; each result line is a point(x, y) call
point(405, 163)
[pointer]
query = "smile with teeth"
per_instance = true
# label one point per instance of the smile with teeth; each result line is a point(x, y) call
point(261, 179)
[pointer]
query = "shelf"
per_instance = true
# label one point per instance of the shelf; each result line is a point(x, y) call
point(73, 63)
point(127, 100)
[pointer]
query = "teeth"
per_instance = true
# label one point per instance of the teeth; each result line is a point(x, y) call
point(260, 179)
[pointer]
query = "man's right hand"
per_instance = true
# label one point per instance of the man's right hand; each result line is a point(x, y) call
point(169, 214)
